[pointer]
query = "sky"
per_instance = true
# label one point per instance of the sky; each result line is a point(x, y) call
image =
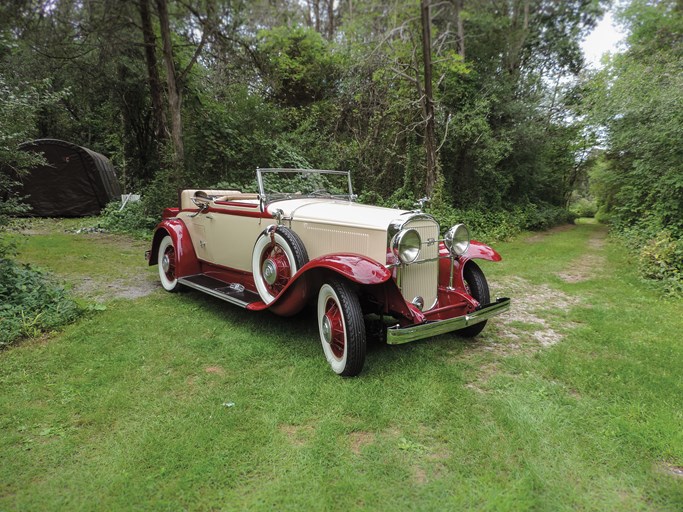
point(605, 38)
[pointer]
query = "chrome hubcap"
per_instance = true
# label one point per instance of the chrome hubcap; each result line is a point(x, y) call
point(269, 271)
point(327, 330)
point(165, 263)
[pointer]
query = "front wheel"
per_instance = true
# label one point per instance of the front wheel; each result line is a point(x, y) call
point(342, 328)
point(477, 287)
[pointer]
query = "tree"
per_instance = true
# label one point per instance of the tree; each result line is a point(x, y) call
point(638, 99)
point(19, 108)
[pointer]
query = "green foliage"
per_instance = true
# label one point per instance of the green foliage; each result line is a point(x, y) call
point(485, 224)
point(661, 258)
point(297, 65)
point(20, 106)
point(584, 207)
point(132, 219)
point(638, 99)
point(31, 302)
point(331, 89)
point(496, 224)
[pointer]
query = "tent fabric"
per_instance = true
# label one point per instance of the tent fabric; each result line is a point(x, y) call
point(75, 182)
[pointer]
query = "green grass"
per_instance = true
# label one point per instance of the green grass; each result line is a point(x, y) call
point(125, 409)
point(57, 248)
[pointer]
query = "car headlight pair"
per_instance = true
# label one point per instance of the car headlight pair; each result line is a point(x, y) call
point(407, 243)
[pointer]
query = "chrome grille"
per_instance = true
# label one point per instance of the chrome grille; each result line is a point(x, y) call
point(421, 278)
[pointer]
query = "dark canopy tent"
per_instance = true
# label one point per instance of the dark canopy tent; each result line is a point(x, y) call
point(75, 182)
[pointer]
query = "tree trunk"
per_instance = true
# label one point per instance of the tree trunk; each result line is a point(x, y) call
point(155, 89)
point(428, 111)
point(330, 19)
point(316, 12)
point(174, 94)
point(519, 36)
point(459, 4)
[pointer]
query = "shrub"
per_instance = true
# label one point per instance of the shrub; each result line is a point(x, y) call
point(133, 219)
point(30, 301)
point(662, 259)
point(584, 208)
point(490, 225)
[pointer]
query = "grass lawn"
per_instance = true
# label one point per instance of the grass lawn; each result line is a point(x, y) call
point(180, 401)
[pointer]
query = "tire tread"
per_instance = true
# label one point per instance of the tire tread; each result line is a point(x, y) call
point(479, 289)
point(355, 328)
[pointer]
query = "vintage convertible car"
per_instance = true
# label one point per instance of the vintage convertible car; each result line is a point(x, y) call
point(303, 238)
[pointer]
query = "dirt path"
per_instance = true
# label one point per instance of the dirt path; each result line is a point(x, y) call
point(535, 321)
point(532, 316)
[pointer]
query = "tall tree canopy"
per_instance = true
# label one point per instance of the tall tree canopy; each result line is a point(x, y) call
point(638, 101)
point(465, 100)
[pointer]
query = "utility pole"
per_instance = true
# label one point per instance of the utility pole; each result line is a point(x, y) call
point(428, 103)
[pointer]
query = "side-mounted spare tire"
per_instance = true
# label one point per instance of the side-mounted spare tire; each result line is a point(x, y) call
point(278, 254)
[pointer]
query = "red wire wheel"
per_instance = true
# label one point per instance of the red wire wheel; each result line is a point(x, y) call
point(342, 328)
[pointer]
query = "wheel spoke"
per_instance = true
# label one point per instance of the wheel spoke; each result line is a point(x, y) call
point(338, 340)
point(276, 254)
point(170, 254)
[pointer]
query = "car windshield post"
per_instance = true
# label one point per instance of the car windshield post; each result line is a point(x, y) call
point(303, 183)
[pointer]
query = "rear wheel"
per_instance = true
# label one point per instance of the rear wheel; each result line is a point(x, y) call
point(166, 260)
point(342, 328)
point(477, 287)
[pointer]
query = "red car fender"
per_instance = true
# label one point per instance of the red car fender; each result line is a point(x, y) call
point(354, 267)
point(476, 250)
point(186, 259)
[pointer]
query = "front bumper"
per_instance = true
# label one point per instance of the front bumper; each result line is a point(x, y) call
point(397, 335)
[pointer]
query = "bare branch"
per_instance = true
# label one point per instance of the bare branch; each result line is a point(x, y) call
point(194, 58)
point(403, 74)
point(445, 135)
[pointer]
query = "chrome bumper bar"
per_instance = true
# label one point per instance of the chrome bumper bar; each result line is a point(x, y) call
point(397, 335)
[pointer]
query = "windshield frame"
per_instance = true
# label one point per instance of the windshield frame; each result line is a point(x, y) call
point(271, 197)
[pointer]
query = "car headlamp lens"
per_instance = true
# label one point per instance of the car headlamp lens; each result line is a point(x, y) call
point(406, 246)
point(457, 239)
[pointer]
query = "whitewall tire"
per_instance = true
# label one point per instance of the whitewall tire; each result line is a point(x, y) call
point(341, 327)
point(167, 258)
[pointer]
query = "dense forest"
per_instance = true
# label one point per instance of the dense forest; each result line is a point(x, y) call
point(485, 106)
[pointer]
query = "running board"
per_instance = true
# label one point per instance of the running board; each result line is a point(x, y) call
point(230, 292)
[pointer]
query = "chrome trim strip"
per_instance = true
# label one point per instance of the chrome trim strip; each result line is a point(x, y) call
point(397, 335)
point(214, 293)
point(394, 265)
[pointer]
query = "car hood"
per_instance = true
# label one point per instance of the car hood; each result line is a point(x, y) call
point(340, 213)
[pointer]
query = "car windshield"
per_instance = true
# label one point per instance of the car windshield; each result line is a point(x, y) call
point(278, 184)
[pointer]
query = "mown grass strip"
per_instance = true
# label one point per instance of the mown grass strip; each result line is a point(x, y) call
point(125, 409)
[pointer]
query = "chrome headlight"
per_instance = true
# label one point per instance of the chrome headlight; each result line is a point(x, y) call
point(457, 239)
point(406, 245)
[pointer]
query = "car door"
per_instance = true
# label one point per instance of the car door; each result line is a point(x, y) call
point(230, 235)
